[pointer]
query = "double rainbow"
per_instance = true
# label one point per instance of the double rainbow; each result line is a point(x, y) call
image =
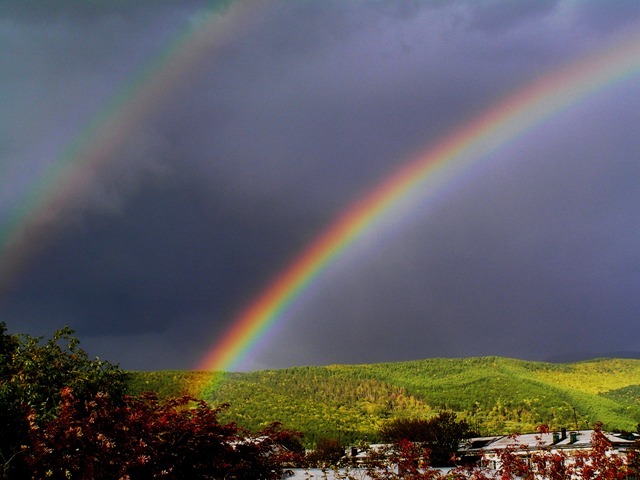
point(436, 167)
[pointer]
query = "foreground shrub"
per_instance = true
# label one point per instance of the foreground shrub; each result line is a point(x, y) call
point(139, 437)
point(33, 373)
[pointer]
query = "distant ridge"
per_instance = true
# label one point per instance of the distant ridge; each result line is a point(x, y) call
point(495, 395)
point(585, 356)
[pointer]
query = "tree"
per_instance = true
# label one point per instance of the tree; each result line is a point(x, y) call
point(33, 373)
point(328, 452)
point(440, 435)
point(12, 424)
point(140, 437)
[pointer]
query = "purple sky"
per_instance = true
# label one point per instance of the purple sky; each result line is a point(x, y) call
point(535, 255)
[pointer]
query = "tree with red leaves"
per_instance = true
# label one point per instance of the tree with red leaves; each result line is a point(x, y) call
point(599, 462)
point(32, 374)
point(405, 460)
point(139, 437)
point(602, 463)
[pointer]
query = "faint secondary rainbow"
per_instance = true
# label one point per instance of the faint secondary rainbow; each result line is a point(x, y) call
point(34, 220)
point(435, 167)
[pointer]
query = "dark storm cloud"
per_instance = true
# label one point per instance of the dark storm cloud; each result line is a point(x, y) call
point(82, 13)
point(499, 15)
point(255, 152)
point(529, 259)
point(63, 73)
point(604, 18)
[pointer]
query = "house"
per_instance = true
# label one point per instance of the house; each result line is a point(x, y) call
point(488, 451)
point(363, 455)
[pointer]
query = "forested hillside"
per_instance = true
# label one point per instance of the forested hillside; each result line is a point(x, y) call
point(350, 402)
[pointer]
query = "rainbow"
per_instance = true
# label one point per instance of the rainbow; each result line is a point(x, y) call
point(435, 167)
point(34, 221)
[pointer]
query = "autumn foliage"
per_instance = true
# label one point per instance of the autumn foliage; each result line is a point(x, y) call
point(139, 437)
point(599, 462)
point(64, 416)
point(33, 373)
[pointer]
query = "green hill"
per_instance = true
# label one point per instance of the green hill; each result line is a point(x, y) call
point(493, 394)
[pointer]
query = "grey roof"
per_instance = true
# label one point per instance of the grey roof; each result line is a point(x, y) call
point(530, 441)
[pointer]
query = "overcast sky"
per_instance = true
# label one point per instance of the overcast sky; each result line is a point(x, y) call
point(299, 112)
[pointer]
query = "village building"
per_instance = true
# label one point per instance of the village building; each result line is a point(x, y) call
point(486, 451)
